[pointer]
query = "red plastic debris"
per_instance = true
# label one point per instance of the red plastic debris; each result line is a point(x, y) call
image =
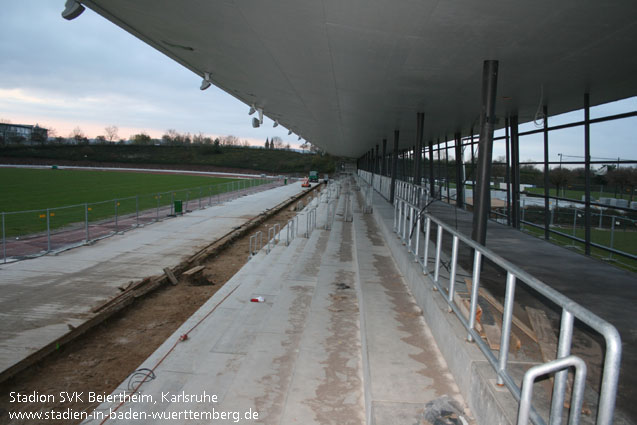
point(257, 299)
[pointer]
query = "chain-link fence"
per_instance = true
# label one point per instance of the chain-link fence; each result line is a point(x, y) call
point(27, 234)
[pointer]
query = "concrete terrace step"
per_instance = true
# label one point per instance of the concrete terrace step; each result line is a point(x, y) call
point(337, 340)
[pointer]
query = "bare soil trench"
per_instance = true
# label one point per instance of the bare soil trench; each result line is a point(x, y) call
point(103, 357)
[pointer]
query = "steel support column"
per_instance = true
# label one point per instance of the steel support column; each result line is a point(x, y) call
point(420, 122)
point(547, 205)
point(432, 184)
point(383, 164)
point(587, 174)
point(376, 161)
point(515, 171)
point(394, 166)
point(459, 181)
point(507, 174)
point(482, 189)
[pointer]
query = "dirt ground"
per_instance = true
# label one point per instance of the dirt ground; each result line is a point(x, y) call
point(102, 358)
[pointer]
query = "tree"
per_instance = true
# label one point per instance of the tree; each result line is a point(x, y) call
point(267, 143)
point(78, 136)
point(230, 140)
point(276, 143)
point(141, 139)
point(100, 139)
point(623, 177)
point(111, 132)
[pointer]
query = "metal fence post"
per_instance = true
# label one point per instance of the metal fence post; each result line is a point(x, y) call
point(4, 242)
point(612, 234)
point(157, 219)
point(86, 220)
point(48, 231)
point(137, 210)
point(172, 203)
point(116, 216)
point(199, 197)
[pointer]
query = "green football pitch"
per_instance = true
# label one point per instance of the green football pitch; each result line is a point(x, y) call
point(70, 194)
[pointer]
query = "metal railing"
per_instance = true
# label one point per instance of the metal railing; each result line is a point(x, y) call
point(310, 221)
point(273, 236)
point(27, 234)
point(407, 219)
point(256, 243)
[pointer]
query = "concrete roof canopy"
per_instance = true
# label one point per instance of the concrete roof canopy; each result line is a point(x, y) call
point(345, 75)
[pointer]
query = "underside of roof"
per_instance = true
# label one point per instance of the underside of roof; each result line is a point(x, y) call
point(346, 74)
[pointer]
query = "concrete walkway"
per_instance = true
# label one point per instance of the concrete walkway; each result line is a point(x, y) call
point(42, 298)
point(338, 340)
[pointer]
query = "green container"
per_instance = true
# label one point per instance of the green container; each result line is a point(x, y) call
point(179, 207)
point(285, 181)
point(54, 167)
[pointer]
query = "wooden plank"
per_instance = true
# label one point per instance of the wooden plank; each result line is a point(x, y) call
point(193, 271)
point(495, 303)
point(546, 338)
point(494, 335)
point(171, 276)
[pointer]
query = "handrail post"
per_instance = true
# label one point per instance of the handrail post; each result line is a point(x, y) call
point(507, 317)
point(452, 272)
point(425, 257)
point(137, 210)
point(477, 264)
point(438, 252)
point(411, 227)
point(559, 384)
point(417, 237)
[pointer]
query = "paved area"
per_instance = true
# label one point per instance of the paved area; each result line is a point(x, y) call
point(337, 340)
point(41, 299)
point(604, 289)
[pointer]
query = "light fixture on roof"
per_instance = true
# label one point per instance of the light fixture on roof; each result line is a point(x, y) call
point(72, 9)
point(205, 83)
point(252, 110)
point(276, 123)
point(260, 115)
point(289, 132)
point(300, 137)
point(255, 123)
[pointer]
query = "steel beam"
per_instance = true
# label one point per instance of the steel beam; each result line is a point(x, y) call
point(420, 122)
point(394, 166)
point(459, 180)
point(482, 189)
point(432, 184)
point(547, 205)
point(587, 174)
point(515, 171)
point(383, 164)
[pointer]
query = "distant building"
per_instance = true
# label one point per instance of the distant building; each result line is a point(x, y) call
point(20, 133)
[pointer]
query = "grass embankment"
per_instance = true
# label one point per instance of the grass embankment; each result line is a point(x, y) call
point(275, 161)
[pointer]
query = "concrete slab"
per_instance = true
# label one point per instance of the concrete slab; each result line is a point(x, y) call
point(41, 297)
point(323, 343)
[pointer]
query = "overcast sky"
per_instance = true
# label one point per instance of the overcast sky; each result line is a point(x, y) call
point(92, 74)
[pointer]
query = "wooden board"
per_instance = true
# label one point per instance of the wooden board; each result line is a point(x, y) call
point(193, 271)
point(495, 303)
point(546, 338)
point(494, 335)
point(170, 275)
